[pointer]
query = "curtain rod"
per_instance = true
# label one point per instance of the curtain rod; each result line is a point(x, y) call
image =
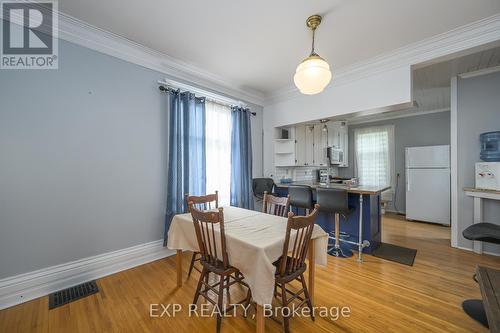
point(165, 84)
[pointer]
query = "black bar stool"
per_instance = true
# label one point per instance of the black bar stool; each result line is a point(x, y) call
point(482, 232)
point(261, 185)
point(333, 200)
point(301, 196)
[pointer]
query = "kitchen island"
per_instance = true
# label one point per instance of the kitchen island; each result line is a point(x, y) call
point(367, 213)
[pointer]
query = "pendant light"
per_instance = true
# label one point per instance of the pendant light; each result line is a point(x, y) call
point(313, 73)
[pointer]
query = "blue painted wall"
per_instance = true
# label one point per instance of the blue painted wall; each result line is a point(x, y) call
point(478, 111)
point(82, 159)
point(408, 132)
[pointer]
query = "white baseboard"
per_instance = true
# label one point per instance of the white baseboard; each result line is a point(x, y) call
point(484, 252)
point(24, 287)
point(394, 212)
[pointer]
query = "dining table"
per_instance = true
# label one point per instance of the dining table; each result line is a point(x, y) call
point(254, 240)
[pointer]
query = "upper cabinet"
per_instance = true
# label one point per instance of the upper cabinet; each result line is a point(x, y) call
point(300, 145)
point(284, 152)
point(345, 145)
point(320, 145)
point(309, 145)
point(284, 147)
point(338, 137)
point(311, 142)
point(306, 145)
point(334, 130)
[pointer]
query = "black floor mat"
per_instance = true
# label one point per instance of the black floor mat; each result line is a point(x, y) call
point(72, 294)
point(399, 254)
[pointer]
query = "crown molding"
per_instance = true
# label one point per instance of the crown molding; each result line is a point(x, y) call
point(457, 40)
point(484, 71)
point(384, 117)
point(81, 33)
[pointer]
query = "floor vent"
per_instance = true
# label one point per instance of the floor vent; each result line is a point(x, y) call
point(72, 294)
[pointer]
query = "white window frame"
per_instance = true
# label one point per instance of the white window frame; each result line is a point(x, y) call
point(218, 125)
point(391, 153)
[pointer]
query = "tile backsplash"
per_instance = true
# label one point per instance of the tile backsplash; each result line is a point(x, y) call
point(300, 173)
point(304, 174)
point(281, 173)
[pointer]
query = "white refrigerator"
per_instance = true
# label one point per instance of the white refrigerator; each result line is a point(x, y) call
point(428, 184)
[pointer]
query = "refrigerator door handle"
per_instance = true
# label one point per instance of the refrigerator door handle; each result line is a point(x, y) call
point(407, 181)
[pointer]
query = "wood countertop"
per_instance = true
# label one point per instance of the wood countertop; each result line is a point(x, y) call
point(481, 190)
point(489, 283)
point(360, 189)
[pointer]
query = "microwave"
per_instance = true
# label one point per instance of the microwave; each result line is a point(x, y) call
point(488, 175)
point(335, 155)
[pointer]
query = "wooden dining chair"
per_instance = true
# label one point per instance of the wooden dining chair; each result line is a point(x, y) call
point(275, 205)
point(214, 259)
point(291, 265)
point(204, 202)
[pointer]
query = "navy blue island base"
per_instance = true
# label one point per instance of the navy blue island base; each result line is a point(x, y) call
point(371, 214)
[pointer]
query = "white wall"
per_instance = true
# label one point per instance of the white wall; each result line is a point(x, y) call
point(257, 163)
point(384, 89)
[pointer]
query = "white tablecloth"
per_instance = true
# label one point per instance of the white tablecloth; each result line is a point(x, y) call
point(254, 241)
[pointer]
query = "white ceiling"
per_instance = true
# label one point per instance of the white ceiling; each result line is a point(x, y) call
point(257, 44)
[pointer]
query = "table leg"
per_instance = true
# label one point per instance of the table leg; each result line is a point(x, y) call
point(478, 218)
point(259, 317)
point(178, 264)
point(360, 229)
point(312, 267)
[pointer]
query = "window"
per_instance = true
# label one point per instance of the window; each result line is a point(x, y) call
point(218, 150)
point(374, 148)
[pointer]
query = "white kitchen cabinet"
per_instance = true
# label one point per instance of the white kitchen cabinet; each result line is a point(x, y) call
point(284, 152)
point(309, 145)
point(338, 137)
point(304, 145)
point(344, 144)
point(334, 134)
point(300, 145)
point(320, 145)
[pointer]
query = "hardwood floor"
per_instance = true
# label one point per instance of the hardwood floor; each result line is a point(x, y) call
point(382, 296)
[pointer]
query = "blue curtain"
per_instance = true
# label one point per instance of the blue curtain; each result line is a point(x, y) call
point(241, 159)
point(186, 151)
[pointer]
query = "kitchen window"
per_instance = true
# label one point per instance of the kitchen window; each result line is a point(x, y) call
point(374, 150)
point(218, 150)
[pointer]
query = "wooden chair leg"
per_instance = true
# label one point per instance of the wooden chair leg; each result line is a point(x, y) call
point(191, 266)
point(285, 310)
point(207, 277)
point(228, 281)
point(198, 287)
point(306, 294)
point(247, 302)
point(220, 298)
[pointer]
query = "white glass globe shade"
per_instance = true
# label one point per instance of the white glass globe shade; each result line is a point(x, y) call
point(312, 75)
